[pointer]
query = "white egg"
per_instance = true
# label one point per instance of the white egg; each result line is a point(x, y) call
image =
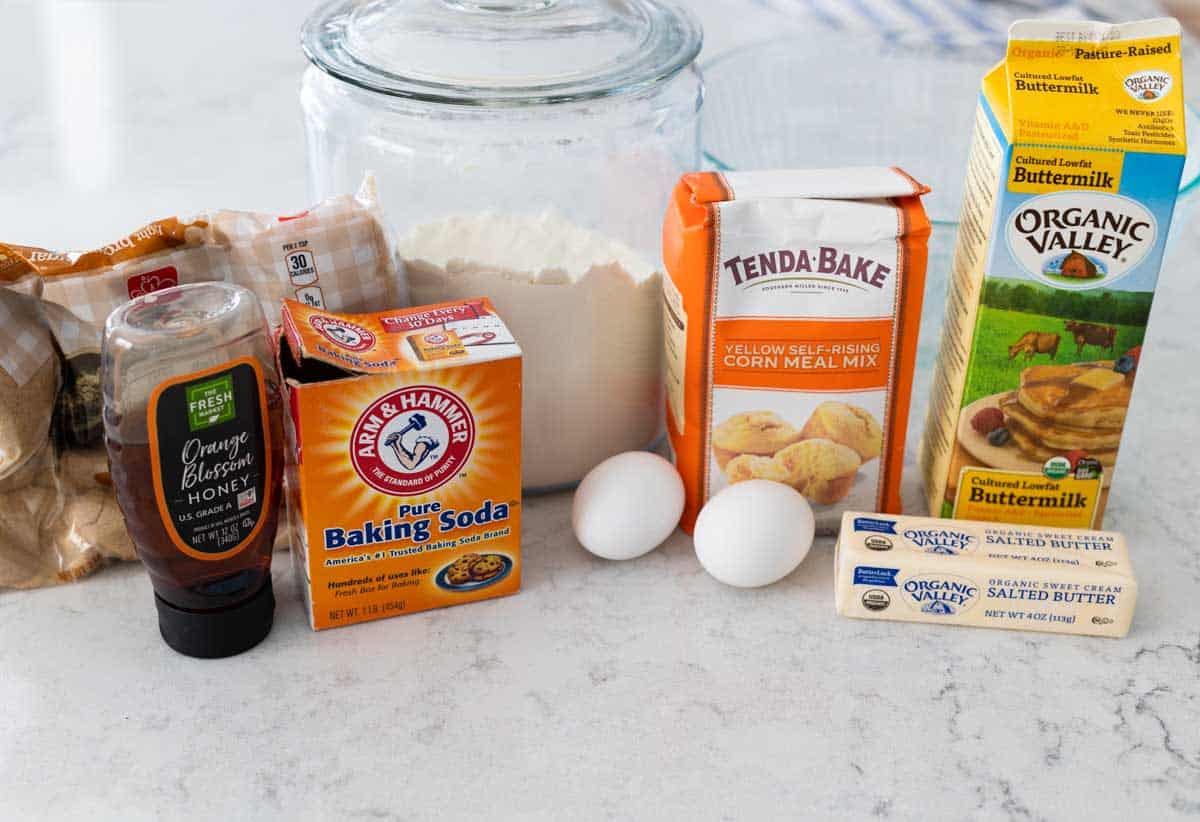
point(754, 533)
point(627, 505)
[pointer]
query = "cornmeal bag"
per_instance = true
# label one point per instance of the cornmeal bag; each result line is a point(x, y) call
point(791, 310)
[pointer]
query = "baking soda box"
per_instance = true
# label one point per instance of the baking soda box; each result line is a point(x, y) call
point(1072, 178)
point(404, 458)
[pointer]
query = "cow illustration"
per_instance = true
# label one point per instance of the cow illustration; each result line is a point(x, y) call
point(1035, 342)
point(1102, 336)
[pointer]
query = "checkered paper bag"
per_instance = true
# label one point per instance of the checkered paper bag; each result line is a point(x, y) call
point(336, 255)
point(29, 383)
point(24, 345)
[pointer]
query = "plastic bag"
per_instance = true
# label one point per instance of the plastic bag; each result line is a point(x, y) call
point(58, 514)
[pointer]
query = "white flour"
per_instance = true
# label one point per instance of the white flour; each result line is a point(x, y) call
point(585, 310)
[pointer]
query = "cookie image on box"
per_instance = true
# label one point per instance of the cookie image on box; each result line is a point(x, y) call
point(762, 433)
point(820, 469)
point(847, 424)
point(486, 567)
point(458, 575)
point(472, 571)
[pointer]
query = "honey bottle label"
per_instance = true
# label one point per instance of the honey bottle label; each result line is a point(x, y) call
point(209, 457)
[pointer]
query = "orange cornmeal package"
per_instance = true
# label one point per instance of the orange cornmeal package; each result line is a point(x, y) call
point(404, 469)
point(791, 312)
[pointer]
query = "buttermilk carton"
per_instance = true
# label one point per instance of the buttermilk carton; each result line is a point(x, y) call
point(1072, 178)
point(403, 458)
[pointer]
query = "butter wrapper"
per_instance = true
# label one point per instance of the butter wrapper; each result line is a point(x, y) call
point(983, 574)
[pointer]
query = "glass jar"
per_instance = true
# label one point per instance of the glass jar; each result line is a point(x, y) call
point(525, 151)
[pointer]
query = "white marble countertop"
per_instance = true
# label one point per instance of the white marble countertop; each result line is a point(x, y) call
point(624, 690)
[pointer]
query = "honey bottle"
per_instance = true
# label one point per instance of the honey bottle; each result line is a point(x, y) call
point(192, 426)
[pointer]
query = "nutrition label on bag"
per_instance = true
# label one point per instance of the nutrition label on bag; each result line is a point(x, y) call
point(675, 349)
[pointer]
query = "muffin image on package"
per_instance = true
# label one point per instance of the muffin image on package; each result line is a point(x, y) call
point(763, 433)
point(745, 467)
point(848, 424)
point(820, 469)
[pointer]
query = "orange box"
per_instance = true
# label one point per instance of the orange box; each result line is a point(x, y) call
point(403, 473)
point(437, 345)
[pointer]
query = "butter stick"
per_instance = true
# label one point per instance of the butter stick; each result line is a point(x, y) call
point(984, 574)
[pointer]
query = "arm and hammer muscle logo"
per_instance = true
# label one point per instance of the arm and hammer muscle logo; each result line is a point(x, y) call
point(343, 334)
point(412, 440)
point(946, 541)
point(940, 594)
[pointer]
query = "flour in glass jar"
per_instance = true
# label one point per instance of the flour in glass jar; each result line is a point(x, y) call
point(585, 309)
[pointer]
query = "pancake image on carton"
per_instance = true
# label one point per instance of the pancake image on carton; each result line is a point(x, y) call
point(1084, 395)
point(1058, 411)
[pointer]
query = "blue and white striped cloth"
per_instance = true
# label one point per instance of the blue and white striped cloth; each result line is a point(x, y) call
point(957, 22)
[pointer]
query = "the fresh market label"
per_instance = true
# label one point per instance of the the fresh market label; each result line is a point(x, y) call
point(210, 458)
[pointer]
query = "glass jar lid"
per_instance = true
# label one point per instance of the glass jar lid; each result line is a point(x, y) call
point(502, 52)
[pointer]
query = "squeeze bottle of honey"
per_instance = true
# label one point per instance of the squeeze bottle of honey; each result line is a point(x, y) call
point(192, 425)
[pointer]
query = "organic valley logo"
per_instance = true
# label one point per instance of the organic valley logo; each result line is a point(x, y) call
point(412, 440)
point(940, 594)
point(940, 540)
point(1148, 86)
point(824, 263)
point(1078, 240)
